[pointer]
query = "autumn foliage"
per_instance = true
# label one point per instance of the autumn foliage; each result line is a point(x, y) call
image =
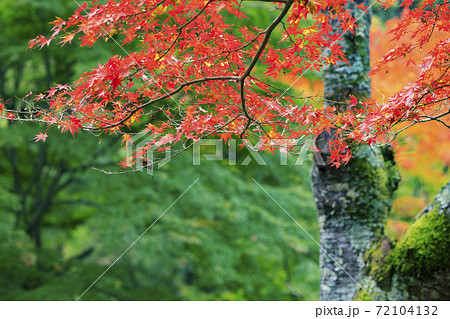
point(428, 142)
point(189, 72)
point(422, 151)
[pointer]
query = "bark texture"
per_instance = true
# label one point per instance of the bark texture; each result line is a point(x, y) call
point(357, 261)
point(417, 266)
point(352, 201)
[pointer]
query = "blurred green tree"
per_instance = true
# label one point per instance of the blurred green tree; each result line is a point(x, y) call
point(62, 223)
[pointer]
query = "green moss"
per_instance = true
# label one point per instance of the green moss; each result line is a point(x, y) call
point(425, 247)
point(372, 181)
point(361, 295)
point(378, 266)
point(422, 255)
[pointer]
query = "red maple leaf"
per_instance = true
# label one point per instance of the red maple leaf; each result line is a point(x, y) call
point(353, 101)
point(225, 136)
point(10, 116)
point(71, 125)
point(40, 136)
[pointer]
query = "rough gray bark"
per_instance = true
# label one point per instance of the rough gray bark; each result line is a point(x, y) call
point(352, 201)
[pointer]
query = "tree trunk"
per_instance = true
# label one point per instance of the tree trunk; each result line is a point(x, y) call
point(356, 260)
point(353, 201)
point(417, 267)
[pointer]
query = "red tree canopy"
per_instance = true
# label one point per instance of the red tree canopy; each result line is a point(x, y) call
point(191, 73)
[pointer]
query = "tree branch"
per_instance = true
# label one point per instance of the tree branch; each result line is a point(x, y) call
point(248, 70)
point(165, 96)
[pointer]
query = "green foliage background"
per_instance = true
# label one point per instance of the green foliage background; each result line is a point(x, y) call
point(62, 223)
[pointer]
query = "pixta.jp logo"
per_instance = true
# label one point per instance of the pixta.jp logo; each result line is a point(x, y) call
point(213, 150)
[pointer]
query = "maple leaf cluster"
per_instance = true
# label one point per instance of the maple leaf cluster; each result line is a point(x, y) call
point(193, 70)
point(426, 143)
point(426, 97)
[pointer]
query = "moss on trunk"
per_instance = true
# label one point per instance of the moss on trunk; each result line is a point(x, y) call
point(352, 201)
point(416, 267)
